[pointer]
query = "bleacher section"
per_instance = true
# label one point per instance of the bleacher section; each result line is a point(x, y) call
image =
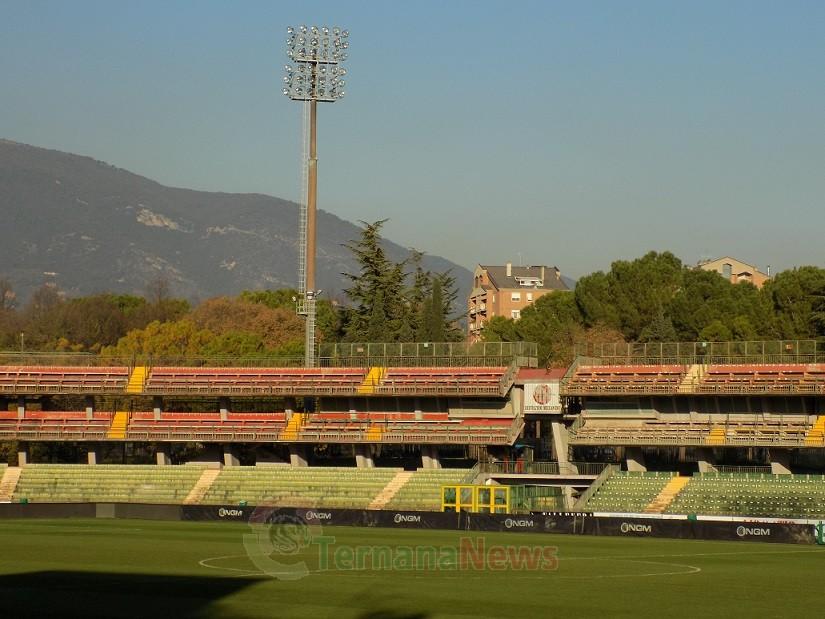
point(333, 487)
point(74, 483)
point(253, 381)
point(752, 494)
point(405, 428)
point(762, 378)
point(441, 381)
point(628, 492)
point(23, 380)
point(56, 426)
point(254, 427)
point(787, 431)
point(652, 379)
point(422, 491)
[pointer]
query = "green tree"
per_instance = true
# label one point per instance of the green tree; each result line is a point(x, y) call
point(796, 297)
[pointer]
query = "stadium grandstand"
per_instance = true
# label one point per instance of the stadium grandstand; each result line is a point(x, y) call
point(722, 429)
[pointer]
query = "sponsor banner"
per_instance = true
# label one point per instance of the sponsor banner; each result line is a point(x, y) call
point(228, 513)
point(47, 510)
point(412, 520)
point(542, 397)
point(742, 530)
point(756, 532)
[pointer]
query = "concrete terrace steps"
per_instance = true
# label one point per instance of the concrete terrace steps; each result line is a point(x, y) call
point(120, 422)
point(816, 436)
point(390, 490)
point(667, 495)
point(137, 379)
point(8, 483)
point(371, 380)
point(693, 377)
point(202, 486)
point(293, 427)
point(716, 436)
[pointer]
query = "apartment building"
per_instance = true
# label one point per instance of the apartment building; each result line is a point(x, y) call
point(505, 291)
point(736, 271)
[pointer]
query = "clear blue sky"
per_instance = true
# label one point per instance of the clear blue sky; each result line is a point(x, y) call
point(544, 132)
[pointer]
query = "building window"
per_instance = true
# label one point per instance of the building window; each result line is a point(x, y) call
point(529, 297)
point(727, 269)
point(515, 296)
point(515, 314)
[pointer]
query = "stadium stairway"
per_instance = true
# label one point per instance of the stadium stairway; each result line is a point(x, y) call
point(293, 427)
point(692, 378)
point(374, 433)
point(667, 495)
point(816, 436)
point(716, 436)
point(203, 485)
point(11, 475)
point(120, 422)
point(137, 379)
point(371, 380)
point(390, 490)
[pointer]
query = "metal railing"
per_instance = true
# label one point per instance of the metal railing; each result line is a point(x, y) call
point(511, 467)
point(657, 353)
point(724, 468)
point(594, 487)
point(361, 355)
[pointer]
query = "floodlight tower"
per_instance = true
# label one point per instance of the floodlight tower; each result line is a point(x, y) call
point(316, 74)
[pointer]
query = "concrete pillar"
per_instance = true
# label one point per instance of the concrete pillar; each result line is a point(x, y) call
point(298, 456)
point(90, 407)
point(91, 455)
point(162, 455)
point(230, 456)
point(419, 415)
point(429, 457)
point(289, 407)
point(21, 407)
point(157, 406)
point(22, 454)
point(635, 459)
point(363, 456)
point(560, 445)
point(223, 403)
point(517, 400)
point(780, 461)
point(705, 460)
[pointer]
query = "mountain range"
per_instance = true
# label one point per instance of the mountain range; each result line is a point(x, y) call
point(90, 227)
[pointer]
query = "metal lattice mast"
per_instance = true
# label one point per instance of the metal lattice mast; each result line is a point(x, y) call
point(317, 75)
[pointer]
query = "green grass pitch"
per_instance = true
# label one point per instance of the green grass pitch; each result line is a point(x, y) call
point(136, 568)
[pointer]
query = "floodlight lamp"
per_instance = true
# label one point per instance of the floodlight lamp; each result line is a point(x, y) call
point(303, 28)
point(290, 30)
point(345, 33)
point(285, 91)
point(336, 31)
point(325, 30)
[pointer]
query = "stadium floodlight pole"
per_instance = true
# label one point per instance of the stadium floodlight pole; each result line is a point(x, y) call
point(317, 74)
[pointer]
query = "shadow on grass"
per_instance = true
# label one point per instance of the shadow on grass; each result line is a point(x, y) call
point(389, 614)
point(95, 594)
